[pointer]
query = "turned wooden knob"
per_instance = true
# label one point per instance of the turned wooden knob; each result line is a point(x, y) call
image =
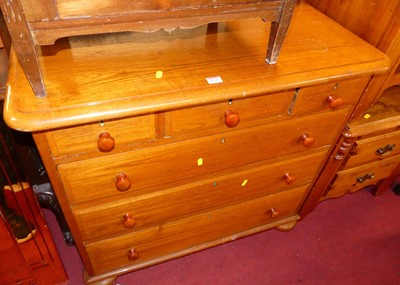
point(307, 140)
point(123, 183)
point(129, 221)
point(231, 118)
point(335, 102)
point(273, 213)
point(133, 254)
point(105, 143)
point(289, 178)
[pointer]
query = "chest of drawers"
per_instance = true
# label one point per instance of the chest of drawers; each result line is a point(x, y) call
point(369, 150)
point(156, 160)
point(374, 157)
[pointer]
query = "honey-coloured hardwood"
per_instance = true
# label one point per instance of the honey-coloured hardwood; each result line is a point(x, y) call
point(374, 148)
point(383, 115)
point(364, 18)
point(197, 157)
point(30, 26)
point(357, 178)
point(217, 118)
point(157, 207)
point(178, 236)
point(208, 145)
point(137, 91)
point(371, 134)
point(328, 96)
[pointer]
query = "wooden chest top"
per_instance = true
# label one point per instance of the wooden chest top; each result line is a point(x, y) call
point(96, 78)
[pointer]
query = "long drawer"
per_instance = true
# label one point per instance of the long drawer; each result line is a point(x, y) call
point(158, 166)
point(136, 213)
point(182, 235)
point(357, 178)
point(375, 149)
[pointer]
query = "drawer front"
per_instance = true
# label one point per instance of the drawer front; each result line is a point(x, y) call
point(158, 166)
point(84, 138)
point(148, 210)
point(375, 149)
point(357, 178)
point(329, 96)
point(185, 234)
point(222, 117)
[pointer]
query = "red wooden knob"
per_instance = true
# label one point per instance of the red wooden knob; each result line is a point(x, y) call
point(133, 254)
point(105, 143)
point(273, 213)
point(129, 221)
point(231, 118)
point(123, 183)
point(335, 102)
point(307, 140)
point(289, 178)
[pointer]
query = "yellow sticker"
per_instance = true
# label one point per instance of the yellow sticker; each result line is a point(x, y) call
point(244, 182)
point(200, 161)
point(159, 74)
point(367, 116)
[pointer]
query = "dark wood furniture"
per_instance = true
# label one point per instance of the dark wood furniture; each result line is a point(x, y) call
point(34, 23)
point(154, 157)
point(28, 252)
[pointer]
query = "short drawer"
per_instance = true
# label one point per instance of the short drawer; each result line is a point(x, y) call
point(183, 236)
point(135, 213)
point(374, 149)
point(84, 138)
point(355, 179)
point(229, 115)
point(329, 96)
point(157, 167)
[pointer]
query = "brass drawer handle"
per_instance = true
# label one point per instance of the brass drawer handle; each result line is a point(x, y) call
point(385, 150)
point(123, 182)
point(106, 142)
point(366, 177)
point(232, 118)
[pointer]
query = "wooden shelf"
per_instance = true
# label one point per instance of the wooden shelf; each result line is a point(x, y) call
point(383, 115)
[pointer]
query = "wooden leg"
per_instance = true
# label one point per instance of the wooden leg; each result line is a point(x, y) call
point(286, 227)
point(24, 45)
point(388, 182)
point(278, 31)
point(98, 280)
